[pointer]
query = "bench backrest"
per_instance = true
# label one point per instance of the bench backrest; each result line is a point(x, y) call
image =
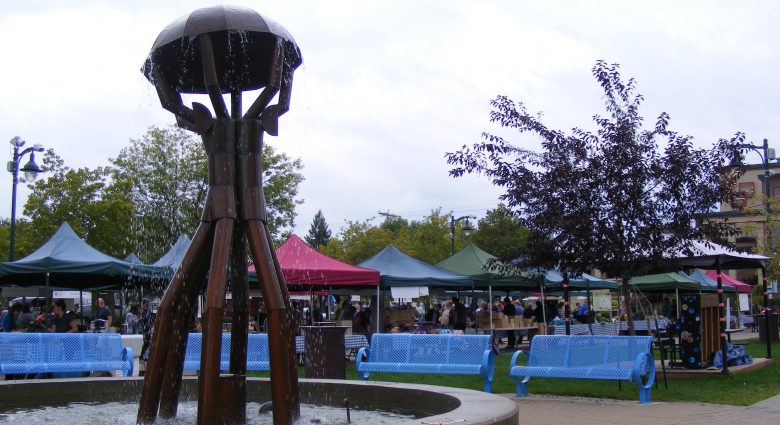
point(256, 350)
point(587, 351)
point(428, 349)
point(37, 348)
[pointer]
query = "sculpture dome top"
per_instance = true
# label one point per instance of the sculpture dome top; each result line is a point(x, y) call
point(244, 42)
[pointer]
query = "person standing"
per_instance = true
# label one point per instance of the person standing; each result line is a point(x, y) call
point(458, 315)
point(131, 320)
point(509, 312)
point(11, 316)
point(104, 313)
point(444, 319)
point(62, 321)
point(26, 318)
point(145, 324)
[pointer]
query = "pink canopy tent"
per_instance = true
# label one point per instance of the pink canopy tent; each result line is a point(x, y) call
point(304, 267)
point(742, 287)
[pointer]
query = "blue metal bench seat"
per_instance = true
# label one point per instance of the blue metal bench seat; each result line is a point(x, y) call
point(256, 352)
point(420, 353)
point(28, 353)
point(622, 358)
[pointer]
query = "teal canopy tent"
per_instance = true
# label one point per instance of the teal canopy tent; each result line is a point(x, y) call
point(397, 269)
point(66, 261)
point(553, 279)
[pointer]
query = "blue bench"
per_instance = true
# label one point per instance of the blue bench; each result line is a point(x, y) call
point(621, 358)
point(256, 352)
point(66, 353)
point(421, 353)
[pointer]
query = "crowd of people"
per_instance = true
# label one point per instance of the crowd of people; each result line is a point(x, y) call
point(22, 317)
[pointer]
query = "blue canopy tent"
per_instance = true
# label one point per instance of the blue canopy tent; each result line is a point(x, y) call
point(133, 259)
point(708, 284)
point(172, 259)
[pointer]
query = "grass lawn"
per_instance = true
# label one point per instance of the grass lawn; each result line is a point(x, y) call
point(738, 389)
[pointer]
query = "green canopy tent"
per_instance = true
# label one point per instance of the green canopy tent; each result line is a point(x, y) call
point(664, 282)
point(668, 282)
point(478, 265)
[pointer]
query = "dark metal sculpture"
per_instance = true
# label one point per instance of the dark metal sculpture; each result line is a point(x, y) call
point(215, 51)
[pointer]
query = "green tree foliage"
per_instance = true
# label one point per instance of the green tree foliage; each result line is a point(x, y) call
point(26, 238)
point(357, 242)
point(605, 199)
point(98, 211)
point(427, 240)
point(319, 233)
point(166, 174)
point(501, 234)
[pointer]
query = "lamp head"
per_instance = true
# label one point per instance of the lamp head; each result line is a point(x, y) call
point(31, 169)
point(467, 229)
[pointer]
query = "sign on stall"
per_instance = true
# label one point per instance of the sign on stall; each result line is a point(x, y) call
point(602, 302)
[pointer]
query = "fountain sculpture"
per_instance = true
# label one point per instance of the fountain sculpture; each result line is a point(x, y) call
point(215, 51)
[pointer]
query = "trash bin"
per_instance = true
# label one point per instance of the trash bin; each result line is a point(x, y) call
point(324, 352)
point(774, 335)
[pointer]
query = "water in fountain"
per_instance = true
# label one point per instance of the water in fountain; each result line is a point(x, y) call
point(117, 413)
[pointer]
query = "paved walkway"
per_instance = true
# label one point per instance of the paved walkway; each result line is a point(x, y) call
point(543, 410)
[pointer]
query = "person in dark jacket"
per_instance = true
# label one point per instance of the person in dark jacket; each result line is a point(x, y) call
point(458, 315)
point(539, 313)
point(509, 311)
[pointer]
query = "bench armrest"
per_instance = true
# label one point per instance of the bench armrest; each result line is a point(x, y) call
point(488, 365)
point(513, 362)
point(642, 360)
point(359, 360)
point(127, 356)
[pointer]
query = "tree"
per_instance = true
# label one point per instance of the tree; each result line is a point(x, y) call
point(609, 199)
point(357, 242)
point(428, 240)
point(97, 211)
point(166, 174)
point(319, 233)
point(501, 234)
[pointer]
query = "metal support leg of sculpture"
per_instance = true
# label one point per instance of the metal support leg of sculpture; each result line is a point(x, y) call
point(156, 371)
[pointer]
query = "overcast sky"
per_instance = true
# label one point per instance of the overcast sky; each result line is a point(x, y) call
point(388, 87)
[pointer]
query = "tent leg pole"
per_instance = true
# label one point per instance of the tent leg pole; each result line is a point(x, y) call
point(722, 319)
point(490, 310)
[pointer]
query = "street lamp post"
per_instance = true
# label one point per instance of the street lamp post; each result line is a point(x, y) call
point(466, 229)
point(30, 170)
point(767, 154)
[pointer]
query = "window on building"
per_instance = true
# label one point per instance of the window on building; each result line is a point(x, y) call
point(748, 189)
